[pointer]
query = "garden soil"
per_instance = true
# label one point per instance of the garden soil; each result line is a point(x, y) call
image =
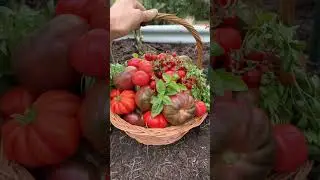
point(186, 159)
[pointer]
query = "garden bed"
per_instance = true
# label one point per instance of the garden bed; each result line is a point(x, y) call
point(187, 159)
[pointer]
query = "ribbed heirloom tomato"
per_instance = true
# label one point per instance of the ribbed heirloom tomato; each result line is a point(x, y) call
point(122, 102)
point(15, 101)
point(47, 133)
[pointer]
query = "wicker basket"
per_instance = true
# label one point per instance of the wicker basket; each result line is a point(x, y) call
point(11, 170)
point(169, 135)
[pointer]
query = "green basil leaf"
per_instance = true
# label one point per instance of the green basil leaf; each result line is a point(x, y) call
point(167, 100)
point(166, 77)
point(156, 108)
point(182, 87)
point(171, 91)
point(175, 77)
point(161, 87)
point(154, 99)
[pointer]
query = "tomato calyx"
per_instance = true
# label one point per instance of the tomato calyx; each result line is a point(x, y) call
point(28, 117)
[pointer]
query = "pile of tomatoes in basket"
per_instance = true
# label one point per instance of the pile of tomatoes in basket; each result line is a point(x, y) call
point(155, 91)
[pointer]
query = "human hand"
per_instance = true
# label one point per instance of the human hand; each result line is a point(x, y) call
point(127, 15)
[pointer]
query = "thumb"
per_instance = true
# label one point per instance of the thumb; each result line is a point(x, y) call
point(148, 15)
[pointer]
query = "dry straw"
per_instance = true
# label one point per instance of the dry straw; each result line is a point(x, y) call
point(168, 135)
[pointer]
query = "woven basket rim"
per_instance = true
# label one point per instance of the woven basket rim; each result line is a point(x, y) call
point(123, 125)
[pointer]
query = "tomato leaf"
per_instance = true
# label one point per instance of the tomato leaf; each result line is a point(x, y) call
point(135, 55)
point(223, 80)
point(216, 49)
point(161, 87)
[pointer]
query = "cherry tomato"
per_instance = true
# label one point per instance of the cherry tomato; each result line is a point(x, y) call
point(145, 66)
point(134, 62)
point(153, 85)
point(201, 108)
point(181, 74)
point(252, 78)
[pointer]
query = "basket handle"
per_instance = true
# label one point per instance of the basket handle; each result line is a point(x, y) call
point(174, 19)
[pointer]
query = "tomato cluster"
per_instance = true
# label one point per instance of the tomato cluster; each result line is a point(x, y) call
point(136, 86)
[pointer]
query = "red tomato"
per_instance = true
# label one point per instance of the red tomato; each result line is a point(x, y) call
point(255, 56)
point(181, 74)
point(122, 102)
point(89, 53)
point(99, 14)
point(148, 57)
point(145, 66)
point(48, 133)
point(170, 73)
point(153, 85)
point(76, 7)
point(230, 21)
point(15, 101)
point(162, 56)
point(227, 96)
point(291, 148)
point(134, 62)
point(155, 122)
point(228, 38)
point(201, 108)
point(252, 78)
point(140, 78)
point(225, 2)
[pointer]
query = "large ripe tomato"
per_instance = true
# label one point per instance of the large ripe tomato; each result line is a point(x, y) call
point(99, 14)
point(291, 148)
point(140, 78)
point(15, 101)
point(122, 102)
point(75, 7)
point(155, 122)
point(89, 53)
point(47, 133)
point(243, 145)
point(228, 38)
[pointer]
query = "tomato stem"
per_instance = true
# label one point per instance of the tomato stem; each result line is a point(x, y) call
point(27, 118)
